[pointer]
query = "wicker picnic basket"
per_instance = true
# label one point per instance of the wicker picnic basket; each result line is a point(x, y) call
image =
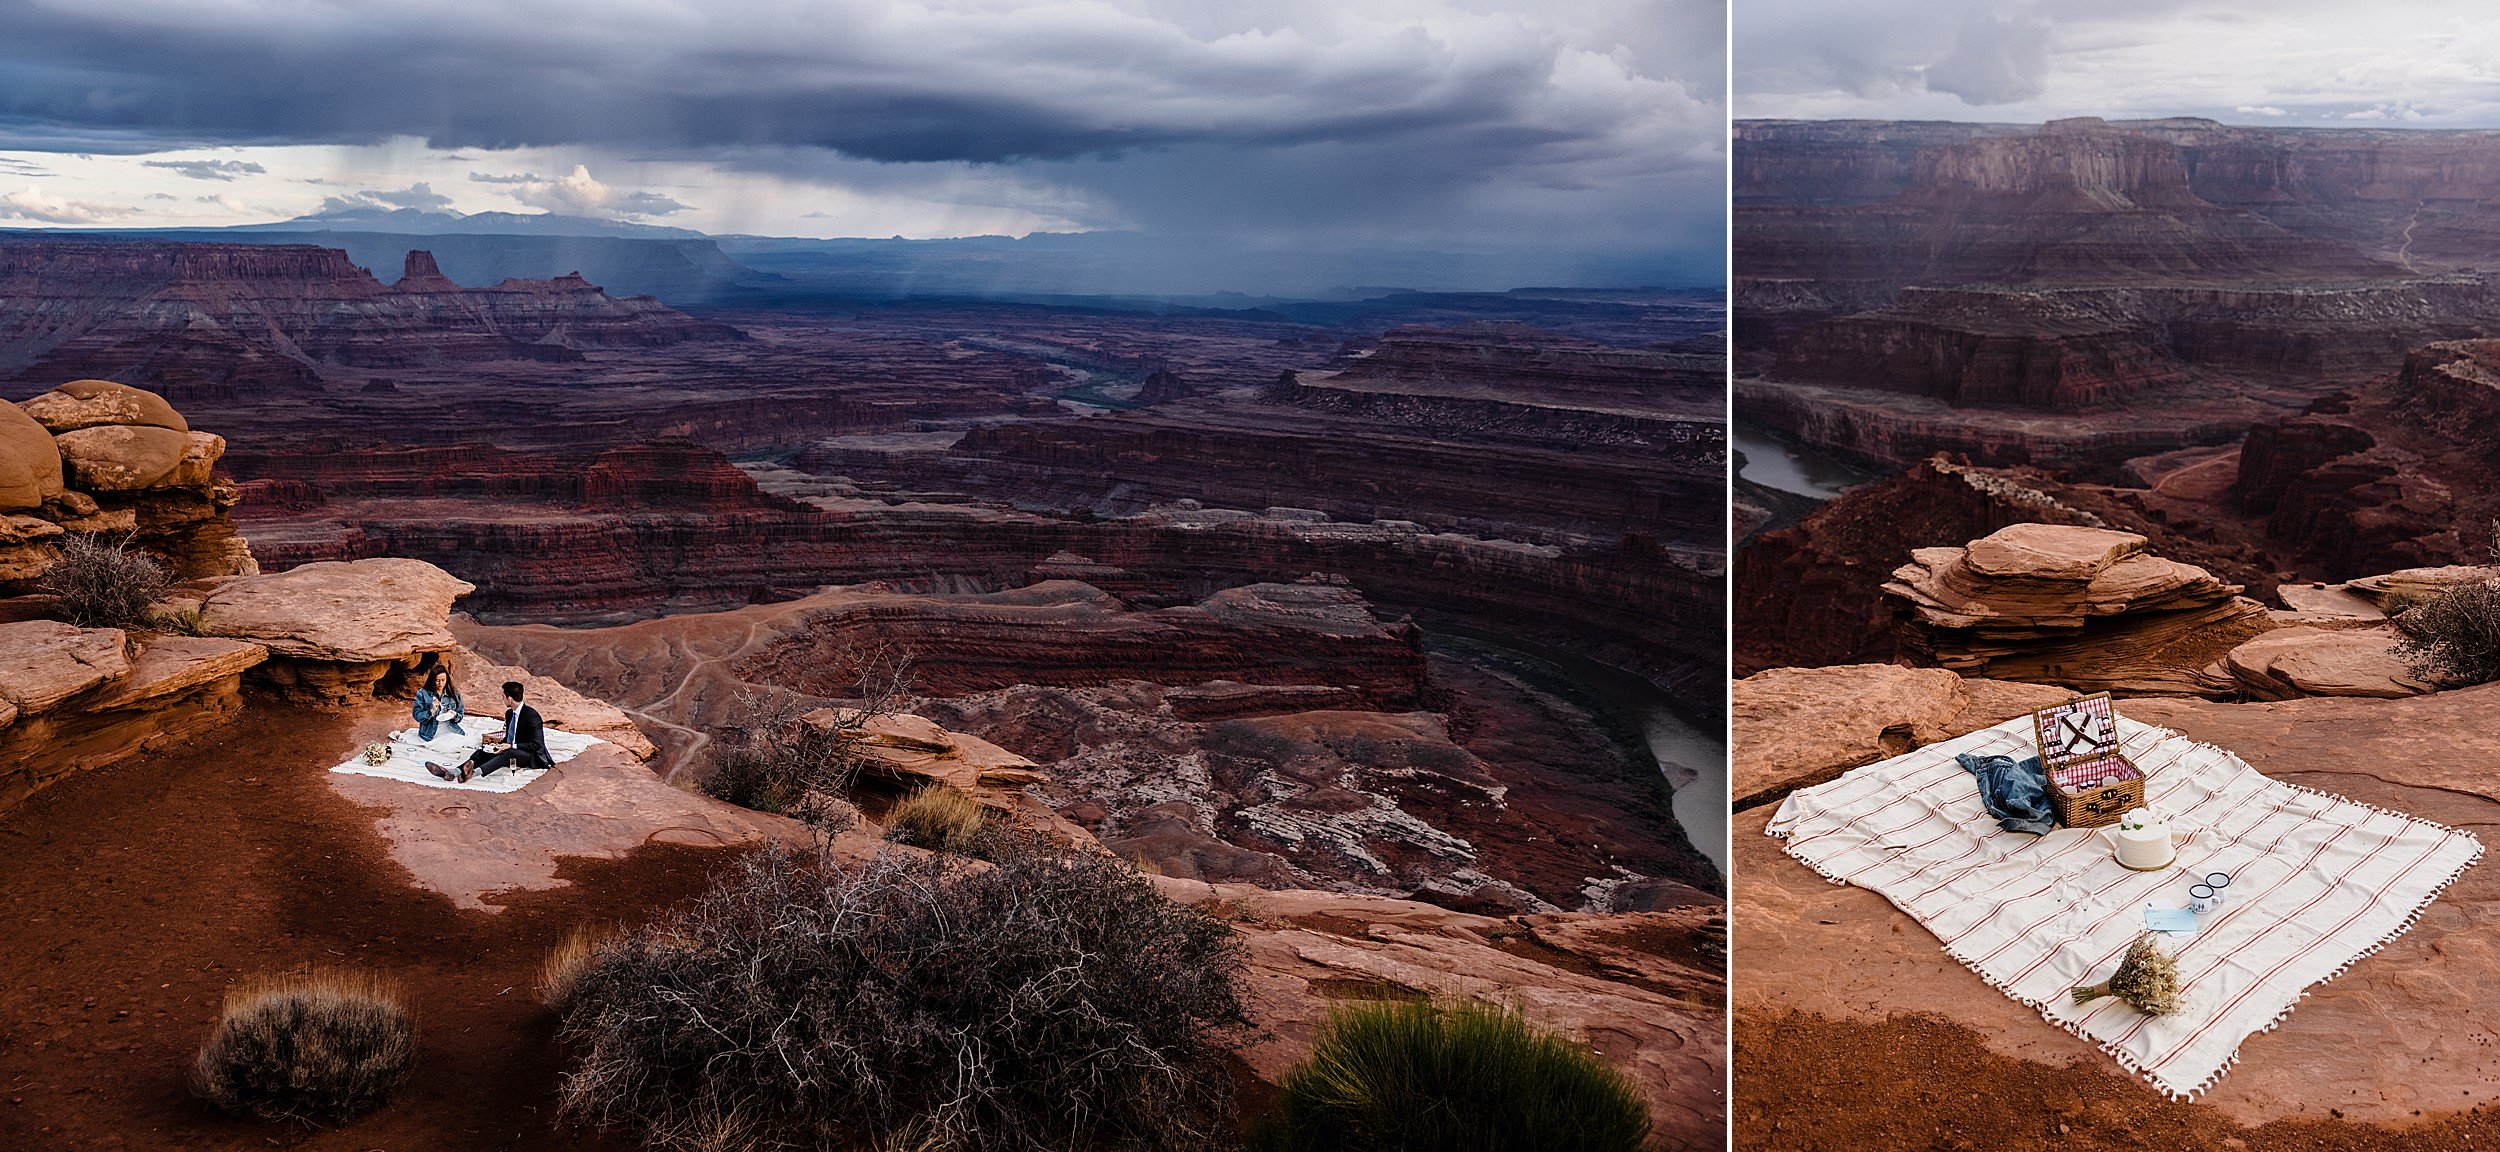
point(2091, 781)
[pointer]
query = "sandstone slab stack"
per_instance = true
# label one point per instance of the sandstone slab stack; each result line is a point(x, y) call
point(2086, 608)
point(338, 632)
point(75, 698)
point(101, 458)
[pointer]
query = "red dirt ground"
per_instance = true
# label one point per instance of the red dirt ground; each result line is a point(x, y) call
point(1805, 1083)
point(131, 897)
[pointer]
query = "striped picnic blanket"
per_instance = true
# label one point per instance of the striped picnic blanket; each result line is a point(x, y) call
point(2317, 882)
point(448, 748)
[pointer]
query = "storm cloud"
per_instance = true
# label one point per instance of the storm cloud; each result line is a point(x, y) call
point(2421, 62)
point(1473, 120)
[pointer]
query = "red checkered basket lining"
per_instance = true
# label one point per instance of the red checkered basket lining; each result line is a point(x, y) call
point(2095, 773)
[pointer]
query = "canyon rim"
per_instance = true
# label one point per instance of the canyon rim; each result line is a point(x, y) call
point(862, 576)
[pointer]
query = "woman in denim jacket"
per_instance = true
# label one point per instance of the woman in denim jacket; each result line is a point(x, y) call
point(438, 703)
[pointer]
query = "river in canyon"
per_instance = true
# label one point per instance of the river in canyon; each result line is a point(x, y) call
point(1775, 461)
point(1690, 755)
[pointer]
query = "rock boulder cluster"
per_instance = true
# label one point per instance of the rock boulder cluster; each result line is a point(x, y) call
point(97, 457)
point(2087, 608)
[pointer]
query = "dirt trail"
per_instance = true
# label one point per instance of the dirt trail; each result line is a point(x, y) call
point(131, 897)
point(672, 674)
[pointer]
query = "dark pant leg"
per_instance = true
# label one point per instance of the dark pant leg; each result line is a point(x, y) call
point(485, 763)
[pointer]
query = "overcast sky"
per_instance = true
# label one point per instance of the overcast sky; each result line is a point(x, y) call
point(2400, 63)
point(1478, 125)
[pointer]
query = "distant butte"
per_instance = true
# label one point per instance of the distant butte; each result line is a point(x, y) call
point(215, 321)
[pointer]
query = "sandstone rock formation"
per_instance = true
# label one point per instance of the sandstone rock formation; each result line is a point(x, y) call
point(213, 321)
point(74, 699)
point(122, 463)
point(1799, 727)
point(30, 464)
point(2087, 608)
point(1811, 594)
point(1907, 288)
point(336, 632)
point(2387, 473)
point(911, 752)
point(2288, 663)
point(2392, 592)
point(1640, 988)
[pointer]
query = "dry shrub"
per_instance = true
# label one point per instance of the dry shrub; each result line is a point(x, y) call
point(1049, 1001)
point(772, 760)
point(1447, 1076)
point(2453, 637)
point(561, 972)
point(318, 1047)
point(938, 818)
point(104, 585)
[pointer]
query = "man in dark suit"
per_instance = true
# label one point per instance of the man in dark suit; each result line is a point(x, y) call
point(523, 742)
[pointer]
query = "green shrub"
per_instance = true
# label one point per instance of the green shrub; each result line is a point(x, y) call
point(101, 585)
point(1456, 1076)
point(321, 1047)
point(2453, 637)
point(1051, 1001)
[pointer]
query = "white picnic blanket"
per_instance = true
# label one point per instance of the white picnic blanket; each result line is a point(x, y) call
point(2317, 882)
point(450, 749)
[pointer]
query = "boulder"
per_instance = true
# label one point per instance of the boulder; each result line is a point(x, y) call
point(30, 463)
point(909, 749)
point(198, 466)
point(168, 666)
point(338, 632)
point(97, 403)
point(2087, 608)
point(2289, 663)
point(1640, 988)
point(2394, 591)
point(121, 457)
point(43, 662)
point(2329, 602)
point(2050, 551)
point(26, 546)
point(1799, 727)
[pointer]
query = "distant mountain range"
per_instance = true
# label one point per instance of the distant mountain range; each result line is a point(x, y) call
point(418, 222)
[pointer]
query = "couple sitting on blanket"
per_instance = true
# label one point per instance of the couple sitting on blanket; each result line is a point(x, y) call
point(523, 742)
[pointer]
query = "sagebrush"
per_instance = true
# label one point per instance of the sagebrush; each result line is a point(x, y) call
point(561, 971)
point(774, 759)
point(318, 1047)
point(1049, 1001)
point(1450, 1076)
point(2453, 637)
point(103, 583)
